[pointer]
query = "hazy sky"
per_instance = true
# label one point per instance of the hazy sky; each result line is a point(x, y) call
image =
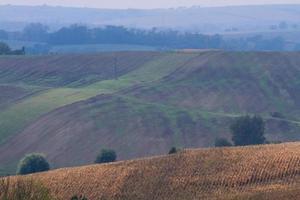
point(144, 3)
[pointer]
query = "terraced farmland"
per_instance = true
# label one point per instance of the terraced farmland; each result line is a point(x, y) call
point(257, 172)
point(140, 103)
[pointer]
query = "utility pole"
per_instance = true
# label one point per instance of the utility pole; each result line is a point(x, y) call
point(115, 67)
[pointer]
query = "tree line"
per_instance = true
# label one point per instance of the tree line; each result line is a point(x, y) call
point(82, 35)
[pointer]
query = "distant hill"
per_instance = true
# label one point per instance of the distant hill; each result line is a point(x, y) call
point(140, 103)
point(218, 19)
point(256, 172)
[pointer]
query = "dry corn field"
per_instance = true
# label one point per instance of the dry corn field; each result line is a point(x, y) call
point(256, 172)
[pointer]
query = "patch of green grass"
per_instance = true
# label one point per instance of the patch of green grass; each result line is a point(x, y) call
point(112, 85)
point(279, 104)
point(159, 68)
point(152, 71)
point(19, 115)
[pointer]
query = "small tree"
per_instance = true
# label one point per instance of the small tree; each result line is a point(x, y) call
point(222, 142)
point(106, 156)
point(248, 130)
point(33, 163)
point(173, 150)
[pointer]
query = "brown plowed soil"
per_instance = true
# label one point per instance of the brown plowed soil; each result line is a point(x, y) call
point(62, 70)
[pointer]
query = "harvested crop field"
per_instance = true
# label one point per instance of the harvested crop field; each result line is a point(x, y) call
point(256, 172)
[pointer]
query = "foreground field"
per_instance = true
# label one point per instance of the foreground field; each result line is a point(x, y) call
point(257, 172)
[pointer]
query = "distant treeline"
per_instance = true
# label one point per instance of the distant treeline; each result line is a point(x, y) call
point(80, 35)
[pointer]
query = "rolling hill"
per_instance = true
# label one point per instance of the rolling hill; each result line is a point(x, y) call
point(141, 103)
point(256, 172)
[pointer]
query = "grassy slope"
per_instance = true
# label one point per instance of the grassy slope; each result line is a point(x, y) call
point(173, 91)
point(19, 115)
point(132, 127)
point(96, 120)
point(258, 172)
point(233, 82)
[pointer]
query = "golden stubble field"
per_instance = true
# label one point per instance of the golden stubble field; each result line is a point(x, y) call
point(256, 172)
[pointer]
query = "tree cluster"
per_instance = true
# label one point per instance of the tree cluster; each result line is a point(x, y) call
point(245, 130)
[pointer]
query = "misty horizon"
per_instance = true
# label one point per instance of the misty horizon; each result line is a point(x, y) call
point(155, 4)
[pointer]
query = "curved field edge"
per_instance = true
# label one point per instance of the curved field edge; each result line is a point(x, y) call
point(255, 172)
point(16, 117)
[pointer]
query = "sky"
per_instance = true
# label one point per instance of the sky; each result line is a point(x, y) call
point(121, 4)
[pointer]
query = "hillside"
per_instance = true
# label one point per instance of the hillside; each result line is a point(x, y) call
point(74, 105)
point(69, 70)
point(257, 172)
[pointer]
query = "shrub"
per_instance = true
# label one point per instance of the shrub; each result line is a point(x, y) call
point(106, 156)
point(33, 163)
point(23, 189)
point(173, 150)
point(222, 142)
point(248, 130)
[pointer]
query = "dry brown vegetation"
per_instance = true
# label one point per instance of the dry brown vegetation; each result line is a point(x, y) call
point(23, 189)
point(256, 172)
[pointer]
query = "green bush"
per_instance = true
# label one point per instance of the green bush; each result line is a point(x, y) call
point(23, 189)
point(106, 156)
point(33, 163)
point(222, 142)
